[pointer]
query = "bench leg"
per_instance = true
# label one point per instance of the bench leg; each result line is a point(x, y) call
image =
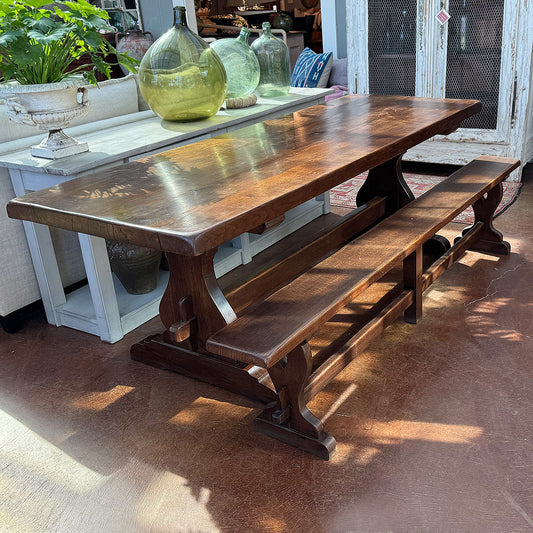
point(288, 419)
point(436, 246)
point(412, 280)
point(490, 240)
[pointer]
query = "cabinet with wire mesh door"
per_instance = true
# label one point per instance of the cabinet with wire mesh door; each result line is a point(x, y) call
point(470, 49)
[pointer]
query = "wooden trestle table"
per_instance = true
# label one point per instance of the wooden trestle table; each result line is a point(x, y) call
point(189, 200)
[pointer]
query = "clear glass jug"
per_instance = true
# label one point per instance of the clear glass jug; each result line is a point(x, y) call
point(273, 56)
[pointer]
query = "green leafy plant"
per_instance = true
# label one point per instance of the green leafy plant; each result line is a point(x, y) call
point(40, 41)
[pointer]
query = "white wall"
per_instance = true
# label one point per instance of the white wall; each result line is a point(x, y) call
point(334, 27)
point(157, 15)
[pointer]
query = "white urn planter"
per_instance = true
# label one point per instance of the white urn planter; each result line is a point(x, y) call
point(50, 107)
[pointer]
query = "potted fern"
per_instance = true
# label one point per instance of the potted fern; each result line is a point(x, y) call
point(48, 50)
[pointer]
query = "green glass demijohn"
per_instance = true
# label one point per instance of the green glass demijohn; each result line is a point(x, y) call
point(282, 21)
point(180, 77)
point(273, 56)
point(242, 67)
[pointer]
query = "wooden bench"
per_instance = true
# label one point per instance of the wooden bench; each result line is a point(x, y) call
point(275, 333)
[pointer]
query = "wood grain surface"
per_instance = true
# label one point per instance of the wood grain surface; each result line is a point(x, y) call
point(267, 333)
point(194, 198)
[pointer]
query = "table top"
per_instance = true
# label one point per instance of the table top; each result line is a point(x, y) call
point(193, 198)
point(146, 132)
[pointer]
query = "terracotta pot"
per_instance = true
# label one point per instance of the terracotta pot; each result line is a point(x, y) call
point(136, 42)
point(137, 268)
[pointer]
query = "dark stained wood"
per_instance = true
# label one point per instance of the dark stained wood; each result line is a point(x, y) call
point(337, 333)
point(188, 201)
point(192, 199)
point(173, 350)
point(491, 241)
point(291, 315)
point(268, 225)
point(181, 331)
point(288, 419)
point(300, 250)
point(436, 246)
point(355, 345)
point(412, 281)
point(193, 277)
point(266, 335)
point(246, 380)
point(451, 255)
point(386, 180)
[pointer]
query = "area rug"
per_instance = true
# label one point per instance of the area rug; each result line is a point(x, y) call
point(344, 195)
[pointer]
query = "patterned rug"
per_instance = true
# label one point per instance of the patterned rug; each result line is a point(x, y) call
point(344, 195)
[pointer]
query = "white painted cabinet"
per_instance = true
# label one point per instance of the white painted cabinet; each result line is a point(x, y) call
point(483, 51)
point(103, 307)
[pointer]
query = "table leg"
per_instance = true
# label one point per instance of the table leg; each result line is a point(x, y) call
point(386, 180)
point(43, 258)
point(46, 270)
point(193, 277)
point(193, 308)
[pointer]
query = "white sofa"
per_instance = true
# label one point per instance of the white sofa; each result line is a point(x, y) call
point(18, 284)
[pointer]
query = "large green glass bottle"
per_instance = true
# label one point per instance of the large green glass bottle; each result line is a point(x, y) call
point(273, 56)
point(180, 77)
point(242, 67)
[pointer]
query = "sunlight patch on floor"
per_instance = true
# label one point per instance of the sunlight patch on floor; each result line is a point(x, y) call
point(339, 401)
point(43, 489)
point(396, 431)
point(349, 453)
point(170, 502)
point(98, 401)
point(41, 459)
point(273, 525)
point(208, 408)
point(35, 477)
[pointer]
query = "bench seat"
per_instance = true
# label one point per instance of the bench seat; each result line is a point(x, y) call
point(275, 333)
point(267, 333)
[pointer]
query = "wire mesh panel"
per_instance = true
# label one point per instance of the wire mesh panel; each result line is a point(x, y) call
point(391, 46)
point(474, 57)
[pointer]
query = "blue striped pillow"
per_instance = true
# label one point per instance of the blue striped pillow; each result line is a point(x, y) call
point(311, 69)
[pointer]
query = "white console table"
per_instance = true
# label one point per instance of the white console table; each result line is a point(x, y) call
point(103, 307)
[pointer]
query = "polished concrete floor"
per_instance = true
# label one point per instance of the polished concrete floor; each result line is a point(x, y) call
point(434, 425)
